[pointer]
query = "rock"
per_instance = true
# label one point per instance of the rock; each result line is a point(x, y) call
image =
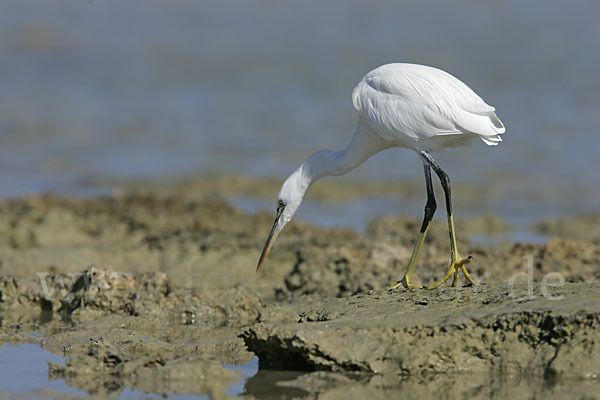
point(172, 284)
point(121, 330)
point(96, 292)
point(485, 329)
point(107, 367)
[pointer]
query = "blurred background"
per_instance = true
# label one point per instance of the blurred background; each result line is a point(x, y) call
point(94, 91)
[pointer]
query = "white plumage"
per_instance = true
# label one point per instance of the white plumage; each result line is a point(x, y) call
point(401, 105)
point(418, 106)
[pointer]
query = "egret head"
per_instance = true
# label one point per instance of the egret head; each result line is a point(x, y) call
point(289, 199)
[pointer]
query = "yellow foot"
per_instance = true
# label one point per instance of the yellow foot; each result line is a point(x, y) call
point(406, 285)
point(457, 265)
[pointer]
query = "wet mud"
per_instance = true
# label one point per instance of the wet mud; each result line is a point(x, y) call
point(490, 329)
point(156, 291)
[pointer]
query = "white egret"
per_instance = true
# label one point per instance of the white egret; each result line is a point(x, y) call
point(401, 105)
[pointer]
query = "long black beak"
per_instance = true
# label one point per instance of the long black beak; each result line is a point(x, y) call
point(270, 240)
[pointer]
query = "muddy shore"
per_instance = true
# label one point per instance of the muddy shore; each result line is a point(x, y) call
point(156, 290)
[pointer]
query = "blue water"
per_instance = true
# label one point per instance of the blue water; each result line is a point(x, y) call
point(163, 89)
point(24, 373)
point(247, 371)
point(24, 370)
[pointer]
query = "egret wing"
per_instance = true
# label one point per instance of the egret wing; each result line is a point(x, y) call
point(413, 102)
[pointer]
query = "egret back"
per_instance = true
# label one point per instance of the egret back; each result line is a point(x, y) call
point(418, 106)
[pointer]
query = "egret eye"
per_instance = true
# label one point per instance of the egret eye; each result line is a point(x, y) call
point(280, 205)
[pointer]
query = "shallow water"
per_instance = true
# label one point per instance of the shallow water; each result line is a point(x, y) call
point(191, 88)
point(24, 370)
point(24, 373)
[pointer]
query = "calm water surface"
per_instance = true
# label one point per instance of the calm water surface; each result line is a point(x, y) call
point(138, 89)
point(164, 89)
point(24, 374)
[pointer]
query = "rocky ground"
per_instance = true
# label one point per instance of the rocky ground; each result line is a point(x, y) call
point(157, 290)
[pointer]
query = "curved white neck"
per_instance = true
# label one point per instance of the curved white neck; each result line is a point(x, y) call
point(326, 162)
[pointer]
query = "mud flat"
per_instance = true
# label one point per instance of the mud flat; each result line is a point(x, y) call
point(157, 291)
point(140, 331)
point(484, 329)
